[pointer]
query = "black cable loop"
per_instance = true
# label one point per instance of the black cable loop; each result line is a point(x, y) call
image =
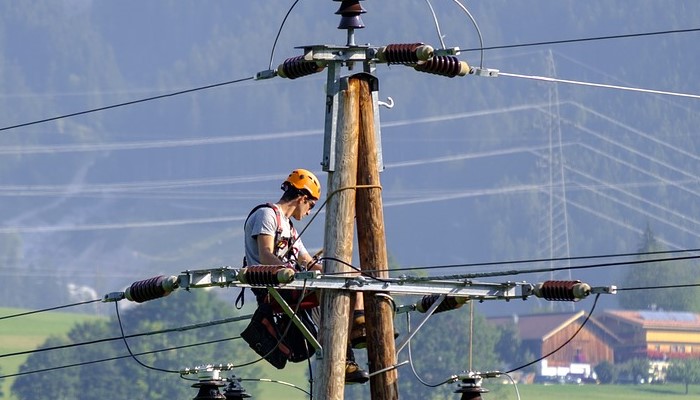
point(363, 273)
point(563, 344)
point(126, 343)
point(279, 31)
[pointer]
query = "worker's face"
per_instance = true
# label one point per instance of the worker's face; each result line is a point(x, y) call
point(306, 204)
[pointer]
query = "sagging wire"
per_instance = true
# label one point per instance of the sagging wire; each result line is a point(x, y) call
point(331, 194)
point(437, 24)
point(274, 381)
point(515, 385)
point(128, 348)
point(84, 363)
point(49, 309)
point(478, 31)
point(595, 301)
point(363, 273)
point(451, 379)
point(279, 31)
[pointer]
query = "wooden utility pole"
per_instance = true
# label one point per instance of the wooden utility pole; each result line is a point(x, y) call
point(329, 383)
point(379, 312)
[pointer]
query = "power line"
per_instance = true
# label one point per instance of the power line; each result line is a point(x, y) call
point(587, 39)
point(162, 331)
point(599, 85)
point(49, 309)
point(689, 285)
point(177, 93)
point(80, 364)
point(549, 260)
point(128, 103)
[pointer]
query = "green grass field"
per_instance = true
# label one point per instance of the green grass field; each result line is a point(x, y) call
point(28, 332)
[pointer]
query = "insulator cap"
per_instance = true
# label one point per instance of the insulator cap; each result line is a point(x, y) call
point(450, 303)
point(562, 290)
point(350, 11)
point(296, 67)
point(152, 288)
point(405, 53)
point(449, 66)
point(266, 275)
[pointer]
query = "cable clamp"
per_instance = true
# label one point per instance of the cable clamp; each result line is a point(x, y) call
point(604, 290)
point(113, 297)
point(453, 51)
point(487, 72)
point(266, 74)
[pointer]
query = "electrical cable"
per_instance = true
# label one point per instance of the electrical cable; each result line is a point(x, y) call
point(363, 273)
point(588, 39)
point(413, 369)
point(515, 385)
point(152, 333)
point(541, 260)
point(279, 31)
point(437, 24)
point(599, 85)
point(563, 344)
point(554, 269)
point(274, 381)
point(49, 309)
point(128, 103)
point(687, 285)
point(81, 364)
point(128, 348)
point(478, 31)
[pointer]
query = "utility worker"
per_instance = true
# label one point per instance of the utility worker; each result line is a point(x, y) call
point(270, 239)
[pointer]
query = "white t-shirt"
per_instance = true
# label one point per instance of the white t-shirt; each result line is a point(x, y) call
point(264, 222)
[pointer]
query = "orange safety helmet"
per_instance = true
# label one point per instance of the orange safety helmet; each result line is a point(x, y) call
point(303, 179)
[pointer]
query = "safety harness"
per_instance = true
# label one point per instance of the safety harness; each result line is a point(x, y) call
point(280, 244)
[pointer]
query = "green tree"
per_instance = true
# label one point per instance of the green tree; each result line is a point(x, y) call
point(442, 349)
point(606, 372)
point(685, 371)
point(636, 369)
point(124, 378)
point(659, 273)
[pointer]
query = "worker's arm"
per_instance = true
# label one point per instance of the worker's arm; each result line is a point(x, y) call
point(266, 245)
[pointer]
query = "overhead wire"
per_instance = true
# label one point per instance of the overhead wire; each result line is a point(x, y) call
point(84, 363)
point(279, 31)
point(437, 24)
point(548, 260)
point(599, 85)
point(481, 49)
point(111, 339)
point(49, 309)
point(127, 103)
point(586, 39)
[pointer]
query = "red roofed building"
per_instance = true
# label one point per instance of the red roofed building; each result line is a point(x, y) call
point(657, 335)
point(543, 333)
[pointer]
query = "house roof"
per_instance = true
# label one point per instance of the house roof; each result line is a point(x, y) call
point(539, 326)
point(657, 319)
